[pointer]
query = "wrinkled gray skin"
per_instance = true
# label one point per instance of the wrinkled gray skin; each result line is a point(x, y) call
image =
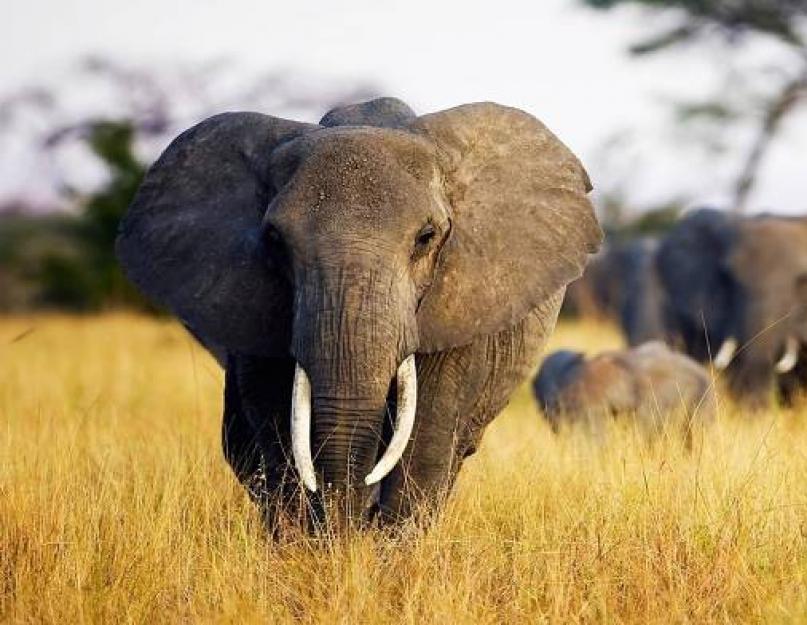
point(343, 248)
point(621, 283)
point(743, 278)
point(651, 384)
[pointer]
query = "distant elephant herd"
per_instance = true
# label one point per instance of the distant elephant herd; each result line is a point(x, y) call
point(376, 286)
point(728, 291)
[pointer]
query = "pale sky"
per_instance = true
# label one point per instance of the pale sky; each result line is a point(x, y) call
point(564, 64)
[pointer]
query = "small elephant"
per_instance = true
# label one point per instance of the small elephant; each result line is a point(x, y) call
point(655, 386)
point(376, 264)
point(736, 292)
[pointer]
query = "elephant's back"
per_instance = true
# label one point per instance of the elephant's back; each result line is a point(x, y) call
point(674, 379)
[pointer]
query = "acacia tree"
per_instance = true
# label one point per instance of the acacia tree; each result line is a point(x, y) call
point(735, 21)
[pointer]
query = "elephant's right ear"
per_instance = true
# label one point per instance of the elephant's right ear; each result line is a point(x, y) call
point(191, 238)
point(522, 224)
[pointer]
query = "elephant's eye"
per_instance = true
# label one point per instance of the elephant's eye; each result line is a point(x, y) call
point(425, 236)
point(272, 234)
point(275, 245)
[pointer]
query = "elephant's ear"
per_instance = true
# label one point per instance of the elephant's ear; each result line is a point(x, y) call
point(522, 226)
point(191, 238)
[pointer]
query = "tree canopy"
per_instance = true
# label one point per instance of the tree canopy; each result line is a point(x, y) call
point(735, 21)
point(778, 18)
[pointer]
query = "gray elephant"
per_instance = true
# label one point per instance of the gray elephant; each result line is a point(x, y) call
point(736, 293)
point(621, 283)
point(374, 264)
point(651, 384)
point(641, 307)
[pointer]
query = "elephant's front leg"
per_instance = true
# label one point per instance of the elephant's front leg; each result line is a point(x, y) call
point(256, 433)
point(426, 472)
point(460, 391)
point(239, 440)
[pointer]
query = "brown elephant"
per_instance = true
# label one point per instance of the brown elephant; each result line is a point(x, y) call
point(654, 386)
point(736, 292)
point(374, 264)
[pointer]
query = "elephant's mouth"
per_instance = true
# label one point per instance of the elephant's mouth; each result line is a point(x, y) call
point(406, 407)
point(786, 362)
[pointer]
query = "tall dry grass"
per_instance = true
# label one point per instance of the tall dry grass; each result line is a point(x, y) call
point(116, 506)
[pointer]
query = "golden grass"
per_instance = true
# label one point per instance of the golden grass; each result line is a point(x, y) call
point(116, 506)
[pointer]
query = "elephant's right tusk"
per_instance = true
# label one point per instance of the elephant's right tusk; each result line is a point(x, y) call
point(301, 429)
point(725, 353)
point(404, 421)
point(790, 357)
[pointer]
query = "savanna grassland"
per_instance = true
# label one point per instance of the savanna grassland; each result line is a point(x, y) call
point(116, 506)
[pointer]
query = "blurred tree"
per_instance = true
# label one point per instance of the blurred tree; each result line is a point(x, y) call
point(87, 276)
point(69, 261)
point(734, 21)
point(621, 222)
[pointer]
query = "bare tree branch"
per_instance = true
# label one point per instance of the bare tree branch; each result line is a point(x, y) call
point(791, 95)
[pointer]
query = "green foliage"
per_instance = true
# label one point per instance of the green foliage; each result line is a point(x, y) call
point(656, 221)
point(621, 223)
point(26, 241)
point(69, 261)
point(778, 18)
point(97, 225)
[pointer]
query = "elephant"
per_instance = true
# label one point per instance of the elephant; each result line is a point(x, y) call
point(595, 295)
point(736, 294)
point(641, 310)
point(377, 263)
point(621, 283)
point(654, 386)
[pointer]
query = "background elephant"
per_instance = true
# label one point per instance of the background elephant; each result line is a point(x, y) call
point(651, 384)
point(641, 311)
point(736, 291)
point(621, 283)
point(374, 264)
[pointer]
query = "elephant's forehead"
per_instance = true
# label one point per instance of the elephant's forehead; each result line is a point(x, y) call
point(355, 176)
point(775, 246)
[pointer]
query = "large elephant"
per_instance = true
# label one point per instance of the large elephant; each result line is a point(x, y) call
point(654, 386)
point(374, 264)
point(736, 291)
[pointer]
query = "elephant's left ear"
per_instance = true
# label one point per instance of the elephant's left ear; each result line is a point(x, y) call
point(522, 224)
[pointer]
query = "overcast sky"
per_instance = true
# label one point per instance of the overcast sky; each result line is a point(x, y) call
point(565, 64)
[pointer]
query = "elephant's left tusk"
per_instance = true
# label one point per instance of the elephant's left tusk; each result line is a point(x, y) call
point(404, 421)
point(725, 353)
point(790, 357)
point(301, 429)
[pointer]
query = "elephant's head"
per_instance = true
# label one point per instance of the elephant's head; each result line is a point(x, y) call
point(700, 292)
point(769, 264)
point(353, 245)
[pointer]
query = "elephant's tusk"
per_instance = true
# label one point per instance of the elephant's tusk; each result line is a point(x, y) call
point(404, 421)
point(725, 353)
point(301, 429)
point(790, 357)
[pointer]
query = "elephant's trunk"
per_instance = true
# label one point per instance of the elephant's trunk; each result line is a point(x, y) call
point(350, 341)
